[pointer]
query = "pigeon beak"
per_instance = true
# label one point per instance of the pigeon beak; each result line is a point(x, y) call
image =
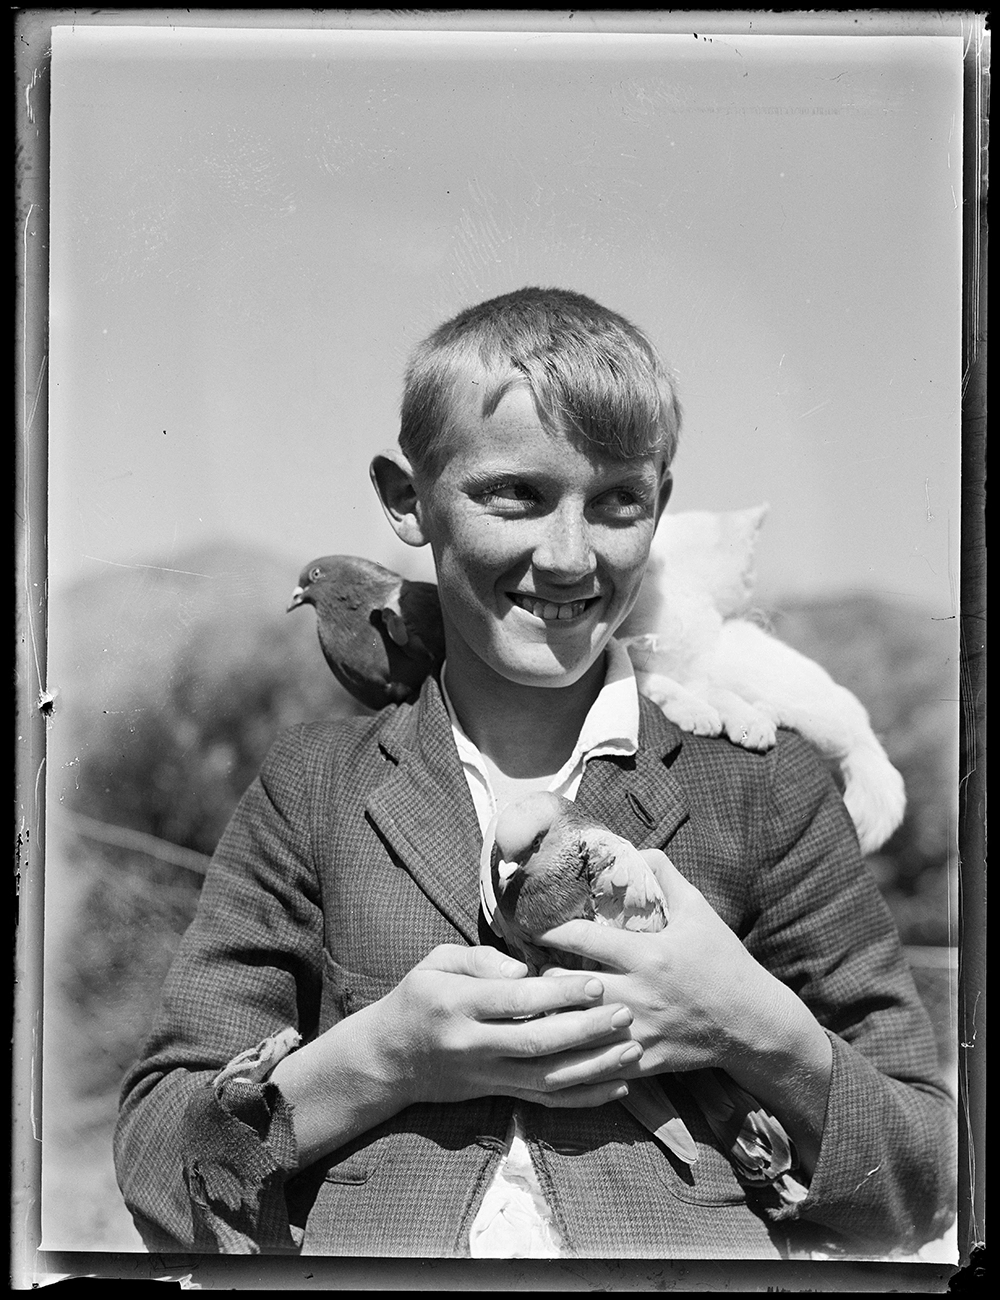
point(298, 596)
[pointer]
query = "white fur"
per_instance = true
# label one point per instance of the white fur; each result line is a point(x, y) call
point(713, 672)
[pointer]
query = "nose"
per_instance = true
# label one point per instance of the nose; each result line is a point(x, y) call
point(564, 550)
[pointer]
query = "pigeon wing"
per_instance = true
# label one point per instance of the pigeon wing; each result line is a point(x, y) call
point(420, 610)
point(625, 891)
point(756, 1143)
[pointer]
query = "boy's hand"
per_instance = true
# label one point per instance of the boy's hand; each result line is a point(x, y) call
point(697, 994)
point(469, 1022)
point(701, 1000)
point(464, 1023)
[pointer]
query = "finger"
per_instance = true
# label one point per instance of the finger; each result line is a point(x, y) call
point(515, 999)
point(572, 1032)
point(584, 1096)
point(574, 1071)
point(668, 877)
point(481, 962)
point(609, 947)
point(584, 1069)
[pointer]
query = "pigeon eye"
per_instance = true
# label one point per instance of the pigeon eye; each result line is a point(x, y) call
point(315, 573)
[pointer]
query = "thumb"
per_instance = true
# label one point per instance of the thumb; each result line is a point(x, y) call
point(481, 962)
point(670, 880)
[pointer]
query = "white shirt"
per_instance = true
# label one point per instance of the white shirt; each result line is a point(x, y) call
point(514, 1220)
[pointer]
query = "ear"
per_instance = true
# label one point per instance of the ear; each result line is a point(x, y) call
point(663, 492)
point(393, 477)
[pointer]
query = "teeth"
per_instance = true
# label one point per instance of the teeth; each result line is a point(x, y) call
point(548, 610)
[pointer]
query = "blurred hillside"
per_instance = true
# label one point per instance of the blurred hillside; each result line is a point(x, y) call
point(903, 666)
point(172, 684)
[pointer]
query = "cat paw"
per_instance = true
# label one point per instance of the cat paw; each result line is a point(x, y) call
point(751, 726)
point(757, 733)
point(686, 710)
point(694, 716)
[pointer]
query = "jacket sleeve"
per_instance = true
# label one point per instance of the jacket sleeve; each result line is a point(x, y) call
point(885, 1174)
point(203, 1158)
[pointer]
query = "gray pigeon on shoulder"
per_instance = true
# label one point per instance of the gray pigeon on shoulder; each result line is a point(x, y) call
point(381, 634)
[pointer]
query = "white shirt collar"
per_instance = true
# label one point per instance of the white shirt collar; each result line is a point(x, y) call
point(611, 727)
point(612, 724)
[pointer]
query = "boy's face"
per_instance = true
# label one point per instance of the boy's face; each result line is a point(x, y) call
point(540, 548)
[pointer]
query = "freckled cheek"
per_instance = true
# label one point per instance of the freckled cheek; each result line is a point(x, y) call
point(468, 585)
point(489, 556)
point(626, 562)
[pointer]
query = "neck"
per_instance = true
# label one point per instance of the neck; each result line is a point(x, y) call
point(524, 732)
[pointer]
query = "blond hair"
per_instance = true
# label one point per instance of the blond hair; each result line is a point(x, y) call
point(592, 374)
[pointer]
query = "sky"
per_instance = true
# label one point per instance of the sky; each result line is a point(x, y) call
point(250, 230)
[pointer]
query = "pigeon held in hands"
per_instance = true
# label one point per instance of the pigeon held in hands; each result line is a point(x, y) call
point(545, 862)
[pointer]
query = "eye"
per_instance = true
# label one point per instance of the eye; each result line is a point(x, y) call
point(513, 495)
point(622, 503)
point(315, 573)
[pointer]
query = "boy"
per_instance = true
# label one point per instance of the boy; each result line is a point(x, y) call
point(443, 1102)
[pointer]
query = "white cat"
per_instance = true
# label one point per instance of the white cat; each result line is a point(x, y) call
point(713, 671)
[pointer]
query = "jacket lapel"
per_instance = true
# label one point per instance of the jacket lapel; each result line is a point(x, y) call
point(638, 797)
point(425, 812)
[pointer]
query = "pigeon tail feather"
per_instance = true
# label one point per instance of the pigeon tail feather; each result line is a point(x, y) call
point(650, 1105)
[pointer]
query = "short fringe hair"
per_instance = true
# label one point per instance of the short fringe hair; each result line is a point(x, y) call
point(593, 375)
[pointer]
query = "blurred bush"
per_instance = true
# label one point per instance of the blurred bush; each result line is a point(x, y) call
point(172, 682)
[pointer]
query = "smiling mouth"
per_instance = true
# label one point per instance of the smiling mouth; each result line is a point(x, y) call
point(550, 611)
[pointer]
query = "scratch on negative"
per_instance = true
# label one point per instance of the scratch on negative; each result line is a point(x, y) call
point(36, 1042)
point(868, 1175)
point(813, 409)
point(27, 95)
point(158, 567)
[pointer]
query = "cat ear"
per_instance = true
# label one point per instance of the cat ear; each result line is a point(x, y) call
point(740, 528)
point(713, 550)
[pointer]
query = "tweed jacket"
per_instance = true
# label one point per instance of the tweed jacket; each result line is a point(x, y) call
point(356, 851)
